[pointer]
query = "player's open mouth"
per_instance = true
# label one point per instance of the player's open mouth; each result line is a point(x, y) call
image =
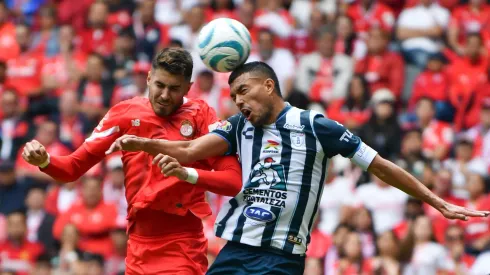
point(246, 113)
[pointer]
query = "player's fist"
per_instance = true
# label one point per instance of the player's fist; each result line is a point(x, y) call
point(35, 153)
point(127, 143)
point(170, 166)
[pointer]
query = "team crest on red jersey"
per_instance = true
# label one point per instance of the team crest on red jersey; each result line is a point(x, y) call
point(186, 129)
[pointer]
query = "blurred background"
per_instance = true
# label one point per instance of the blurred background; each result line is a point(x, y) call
point(410, 77)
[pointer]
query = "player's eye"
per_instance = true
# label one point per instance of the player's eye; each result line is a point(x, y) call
point(159, 85)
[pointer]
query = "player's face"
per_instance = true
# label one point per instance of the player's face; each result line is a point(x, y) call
point(166, 91)
point(253, 97)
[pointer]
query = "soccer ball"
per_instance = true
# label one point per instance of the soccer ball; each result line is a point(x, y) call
point(224, 44)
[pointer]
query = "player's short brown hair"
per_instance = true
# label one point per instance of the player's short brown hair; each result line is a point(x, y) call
point(175, 61)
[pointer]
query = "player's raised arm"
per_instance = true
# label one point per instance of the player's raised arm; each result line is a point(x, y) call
point(336, 139)
point(221, 141)
point(70, 168)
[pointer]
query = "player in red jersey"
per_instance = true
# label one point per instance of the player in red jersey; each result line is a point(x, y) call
point(164, 212)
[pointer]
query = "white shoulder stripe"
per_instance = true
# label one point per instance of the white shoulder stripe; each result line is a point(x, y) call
point(103, 134)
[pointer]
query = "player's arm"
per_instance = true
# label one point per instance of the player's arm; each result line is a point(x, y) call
point(224, 180)
point(336, 139)
point(221, 141)
point(70, 168)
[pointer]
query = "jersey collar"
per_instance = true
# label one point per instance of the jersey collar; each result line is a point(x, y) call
point(284, 111)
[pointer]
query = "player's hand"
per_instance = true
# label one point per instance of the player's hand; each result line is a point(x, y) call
point(127, 143)
point(34, 153)
point(452, 211)
point(170, 166)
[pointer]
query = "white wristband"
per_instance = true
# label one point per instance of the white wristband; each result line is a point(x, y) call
point(192, 175)
point(364, 156)
point(46, 163)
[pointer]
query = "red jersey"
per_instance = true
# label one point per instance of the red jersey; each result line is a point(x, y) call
point(98, 40)
point(24, 72)
point(476, 228)
point(383, 71)
point(179, 204)
point(436, 134)
point(19, 258)
point(60, 68)
point(337, 110)
point(8, 43)
point(469, 21)
point(94, 226)
point(434, 85)
point(378, 15)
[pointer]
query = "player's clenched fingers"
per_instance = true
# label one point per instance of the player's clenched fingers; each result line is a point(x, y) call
point(165, 160)
point(31, 150)
point(157, 159)
point(169, 167)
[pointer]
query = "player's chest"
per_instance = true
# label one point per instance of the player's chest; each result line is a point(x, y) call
point(172, 128)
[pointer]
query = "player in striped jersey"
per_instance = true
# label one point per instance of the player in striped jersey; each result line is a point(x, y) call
point(283, 153)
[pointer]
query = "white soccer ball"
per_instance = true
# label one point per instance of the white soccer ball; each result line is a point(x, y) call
point(224, 44)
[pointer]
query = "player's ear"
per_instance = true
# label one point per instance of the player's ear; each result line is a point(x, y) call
point(269, 85)
point(148, 78)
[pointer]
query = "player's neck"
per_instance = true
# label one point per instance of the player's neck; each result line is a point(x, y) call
point(276, 111)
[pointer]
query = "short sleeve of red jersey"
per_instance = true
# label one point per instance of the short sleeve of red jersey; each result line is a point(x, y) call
point(109, 129)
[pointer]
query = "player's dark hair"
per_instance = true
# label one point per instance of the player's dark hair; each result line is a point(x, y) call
point(176, 61)
point(259, 68)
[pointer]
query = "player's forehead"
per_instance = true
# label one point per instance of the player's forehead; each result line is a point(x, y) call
point(164, 77)
point(244, 80)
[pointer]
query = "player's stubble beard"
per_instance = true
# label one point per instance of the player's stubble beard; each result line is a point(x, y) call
point(262, 119)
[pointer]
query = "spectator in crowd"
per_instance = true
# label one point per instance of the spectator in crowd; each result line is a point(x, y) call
point(71, 123)
point(470, 18)
point(113, 188)
point(8, 46)
point(481, 264)
point(411, 158)
point(370, 13)
point(413, 209)
point(380, 67)
point(115, 264)
point(119, 14)
point(382, 131)
point(385, 202)
point(423, 36)
point(47, 132)
point(454, 241)
point(273, 16)
point(281, 60)
point(135, 86)
point(121, 60)
point(480, 134)
point(432, 83)
point(46, 39)
point(39, 223)
point(246, 17)
point(427, 256)
point(18, 253)
point(363, 223)
point(12, 193)
point(386, 261)
point(98, 37)
point(333, 254)
point(24, 71)
point(68, 255)
point(188, 33)
point(64, 70)
point(90, 263)
point(351, 259)
point(92, 217)
point(61, 198)
point(206, 89)
point(437, 136)
point(477, 233)
point(324, 75)
point(13, 129)
point(348, 41)
point(95, 90)
point(467, 72)
point(353, 111)
point(148, 33)
point(462, 166)
point(302, 40)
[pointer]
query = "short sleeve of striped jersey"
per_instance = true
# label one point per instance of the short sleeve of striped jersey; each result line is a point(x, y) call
point(227, 129)
point(335, 138)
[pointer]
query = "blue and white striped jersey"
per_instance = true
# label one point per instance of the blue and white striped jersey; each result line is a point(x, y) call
point(283, 170)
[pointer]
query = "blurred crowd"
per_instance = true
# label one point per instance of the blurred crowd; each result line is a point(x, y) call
point(411, 78)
